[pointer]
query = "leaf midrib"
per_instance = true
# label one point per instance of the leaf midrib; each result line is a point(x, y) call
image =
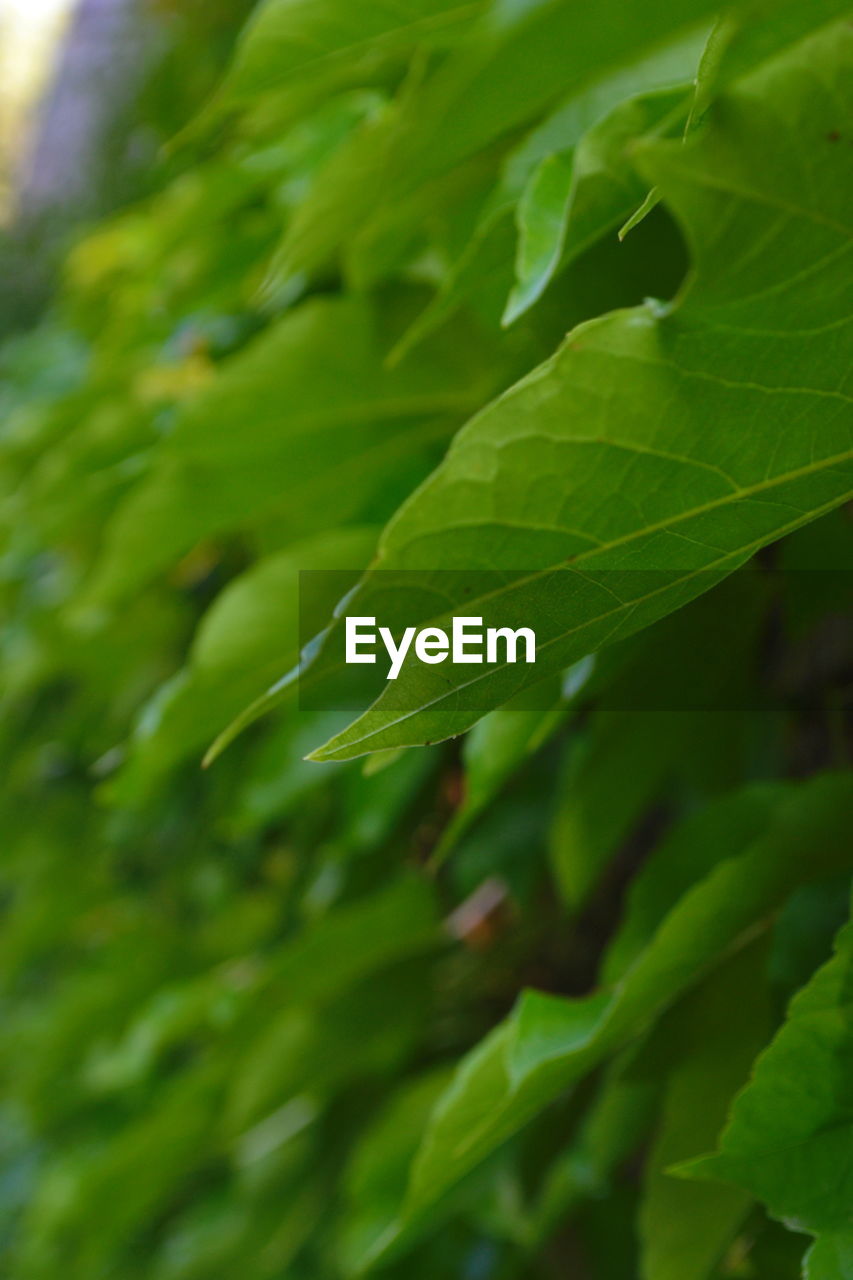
point(661, 526)
point(739, 554)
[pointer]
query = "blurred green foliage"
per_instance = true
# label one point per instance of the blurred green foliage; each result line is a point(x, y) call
point(458, 1010)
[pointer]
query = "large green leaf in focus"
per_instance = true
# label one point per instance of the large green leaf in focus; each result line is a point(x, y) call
point(673, 438)
point(790, 1134)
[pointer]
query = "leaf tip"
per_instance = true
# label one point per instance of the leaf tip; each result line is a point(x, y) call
point(698, 1168)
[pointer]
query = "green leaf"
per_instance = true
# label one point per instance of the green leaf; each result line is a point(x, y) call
point(485, 259)
point(741, 40)
point(149, 1159)
point(357, 938)
point(669, 401)
point(250, 632)
point(381, 1161)
point(292, 40)
point(239, 1005)
point(616, 1123)
point(753, 33)
point(593, 817)
point(684, 1227)
point(309, 1055)
point(548, 1044)
point(830, 1257)
point(594, 126)
point(306, 421)
point(573, 199)
point(651, 201)
point(790, 1134)
point(518, 67)
point(541, 230)
point(552, 50)
point(688, 854)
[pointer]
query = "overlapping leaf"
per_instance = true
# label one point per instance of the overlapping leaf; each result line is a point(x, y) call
point(306, 422)
point(684, 1228)
point(788, 1145)
point(227, 1013)
point(548, 1044)
point(289, 43)
point(526, 61)
point(252, 628)
point(673, 439)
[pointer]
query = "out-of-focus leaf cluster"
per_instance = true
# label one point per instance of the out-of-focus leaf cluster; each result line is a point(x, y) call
point(461, 1010)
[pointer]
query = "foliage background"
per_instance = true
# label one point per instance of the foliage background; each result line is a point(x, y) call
point(458, 1010)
